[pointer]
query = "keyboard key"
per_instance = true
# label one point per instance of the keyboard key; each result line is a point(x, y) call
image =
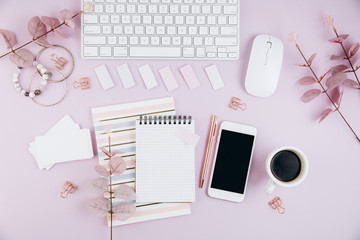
point(104, 18)
point(200, 52)
point(122, 40)
point(106, 29)
point(144, 40)
point(112, 40)
point(120, 8)
point(118, 29)
point(128, 30)
point(155, 52)
point(120, 51)
point(228, 31)
point(92, 29)
point(99, 40)
point(155, 40)
point(90, 52)
point(115, 19)
point(109, 8)
point(139, 30)
point(220, 41)
point(230, 9)
point(90, 18)
point(134, 40)
point(188, 52)
point(98, 8)
point(233, 20)
point(105, 51)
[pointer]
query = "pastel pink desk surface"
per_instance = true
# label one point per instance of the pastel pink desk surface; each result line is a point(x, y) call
point(325, 206)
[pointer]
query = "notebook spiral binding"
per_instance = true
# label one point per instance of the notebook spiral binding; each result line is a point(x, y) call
point(165, 120)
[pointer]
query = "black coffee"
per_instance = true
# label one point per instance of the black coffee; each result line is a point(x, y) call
point(285, 166)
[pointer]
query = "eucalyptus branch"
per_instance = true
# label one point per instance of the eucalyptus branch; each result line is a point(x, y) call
point(326, 92)
point(42, 35)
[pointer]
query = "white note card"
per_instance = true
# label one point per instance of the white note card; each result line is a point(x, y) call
point(148, 76)
point(165, 164)
point(104, 77)
point(214, 77)
point(125, 76)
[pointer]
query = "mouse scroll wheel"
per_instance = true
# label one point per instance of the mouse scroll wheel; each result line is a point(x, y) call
point(268, 44)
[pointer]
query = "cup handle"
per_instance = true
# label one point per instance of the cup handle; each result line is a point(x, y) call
point(270, 186)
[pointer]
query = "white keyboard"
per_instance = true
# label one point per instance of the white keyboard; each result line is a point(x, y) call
point(161, 29)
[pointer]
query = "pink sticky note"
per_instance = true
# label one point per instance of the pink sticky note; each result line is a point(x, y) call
point(187, 136)
point(168, 78)
point(189, 76)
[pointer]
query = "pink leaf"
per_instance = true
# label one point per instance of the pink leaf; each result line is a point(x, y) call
point(311, 59)
point(98, 185)
point(307, 80)
point(102, 171)
point(36, 27)
point(43, 42)
point(310, 95)
point(125, 192)
point(22, 58)
point(66, 16)
point(117, 165)
point(59, 34)
point(325, 113)
point(334, 57)
point(9, 38)
point(50, 21)
point(124, 211)
point(354, 49)
point(339, 39)
point(351, 83)
point(336, 95)
point(99, 206)
point(338, 68)
point(335, 80)
point(107, 153)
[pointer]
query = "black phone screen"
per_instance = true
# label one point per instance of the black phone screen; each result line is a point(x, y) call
point(232, 161)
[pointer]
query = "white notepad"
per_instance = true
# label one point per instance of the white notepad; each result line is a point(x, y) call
point(165, 164)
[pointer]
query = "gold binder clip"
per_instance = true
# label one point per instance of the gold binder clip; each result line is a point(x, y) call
point(276, 204)
point(83, 83)
point(60, 62)
point(236, 103)
point(69, 188)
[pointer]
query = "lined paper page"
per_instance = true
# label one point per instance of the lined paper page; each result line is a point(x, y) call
point(122, 122)
point(165, 164)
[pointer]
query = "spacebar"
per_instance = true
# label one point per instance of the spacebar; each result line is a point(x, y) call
point(155, 52)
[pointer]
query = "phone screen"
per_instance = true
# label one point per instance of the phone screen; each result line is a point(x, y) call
point(232, 161)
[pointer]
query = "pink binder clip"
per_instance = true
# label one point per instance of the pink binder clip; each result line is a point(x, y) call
point(236, 103)
point(276, 204)
point(60, 62)
point(69, 188)
point(83, 83)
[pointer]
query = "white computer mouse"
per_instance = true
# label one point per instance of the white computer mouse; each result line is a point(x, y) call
point(264, 65)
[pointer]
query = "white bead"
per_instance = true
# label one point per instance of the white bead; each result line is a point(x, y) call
point(43, 70)
point(39, 66)
point(35, 63)
point(16, 74)
point(43, 82)
point(18, 89)
point(15, 79)
point(45, 77)
point(31, 94)
point(23, 91)
point(18, 70)
point(16, 85)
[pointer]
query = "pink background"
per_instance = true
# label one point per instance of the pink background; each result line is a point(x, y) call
point(325, 206)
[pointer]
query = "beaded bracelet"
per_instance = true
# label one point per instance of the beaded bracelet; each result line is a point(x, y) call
point(44, 75)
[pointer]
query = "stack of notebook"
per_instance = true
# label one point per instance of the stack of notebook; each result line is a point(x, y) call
point(165, 163)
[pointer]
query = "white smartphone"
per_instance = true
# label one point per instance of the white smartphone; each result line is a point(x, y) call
point(231, 165)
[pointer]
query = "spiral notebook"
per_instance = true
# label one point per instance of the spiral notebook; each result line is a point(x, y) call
point(165, 163)
point(122, 118)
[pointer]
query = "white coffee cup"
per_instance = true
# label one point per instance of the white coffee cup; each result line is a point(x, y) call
point(273, 181)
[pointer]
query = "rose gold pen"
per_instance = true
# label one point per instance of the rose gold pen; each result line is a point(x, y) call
point(208, 149)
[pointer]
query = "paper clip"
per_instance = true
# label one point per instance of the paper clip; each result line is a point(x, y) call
point(276, 204)
point(83, 83)
point(59, 62)
point(236, 103)
point(69, 188)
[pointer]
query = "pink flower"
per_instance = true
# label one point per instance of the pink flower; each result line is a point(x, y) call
point(329, 20)
point(293, 37)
